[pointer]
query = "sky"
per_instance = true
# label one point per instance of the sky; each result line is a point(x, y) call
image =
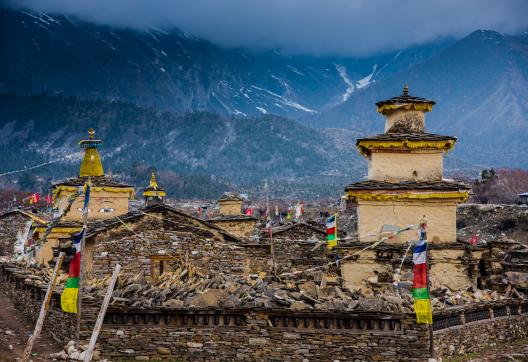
point(316, 27)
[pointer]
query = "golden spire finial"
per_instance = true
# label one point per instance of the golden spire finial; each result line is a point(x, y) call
point(91, 132)
point(406, 90)
point(153, 181)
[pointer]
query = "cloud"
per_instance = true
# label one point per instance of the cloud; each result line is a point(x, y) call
point(338, 27)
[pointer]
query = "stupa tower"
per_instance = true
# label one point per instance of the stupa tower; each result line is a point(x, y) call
point(153, 194)
point(108, 198)
point(405, 174)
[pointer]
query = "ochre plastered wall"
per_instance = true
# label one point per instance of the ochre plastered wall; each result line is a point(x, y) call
point(413, 120)
point(448, 269)
point(441, 216)
point(405, 166)
point(118, 201)
point(228, 207)
point(356, 273)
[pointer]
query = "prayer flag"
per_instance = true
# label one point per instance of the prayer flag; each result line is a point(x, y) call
point(86, 197)
point(71, 290)
point(420, 292)
point(474, 240)
point(49, 200)
point(331, 232)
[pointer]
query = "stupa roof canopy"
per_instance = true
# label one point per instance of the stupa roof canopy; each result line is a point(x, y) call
point(407, 185)
point(414, 103)
point(405, 140)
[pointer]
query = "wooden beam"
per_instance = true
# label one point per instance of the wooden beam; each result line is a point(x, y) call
point(43, 309)
point(100, 317)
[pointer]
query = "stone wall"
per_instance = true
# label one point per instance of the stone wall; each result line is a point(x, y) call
point(249, 335)
point(27, 299)
point(241, 227)
point(10, 225)
point(475, 327)
point(273, 335)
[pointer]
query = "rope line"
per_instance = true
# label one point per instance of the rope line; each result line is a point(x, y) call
point(37, 166)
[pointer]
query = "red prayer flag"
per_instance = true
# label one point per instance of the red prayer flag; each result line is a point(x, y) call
point(420, 276)
point(474, 240)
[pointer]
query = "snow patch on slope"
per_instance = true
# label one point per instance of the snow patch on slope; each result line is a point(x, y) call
point(350, 85)
point(284, 101)
point(363, 82)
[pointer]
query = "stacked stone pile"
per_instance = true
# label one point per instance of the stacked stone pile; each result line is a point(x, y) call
point(186, 287)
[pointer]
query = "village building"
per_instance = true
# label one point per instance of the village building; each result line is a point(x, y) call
point(160, 238)
point(108, 198)
point(404, 185)
point(230, 216)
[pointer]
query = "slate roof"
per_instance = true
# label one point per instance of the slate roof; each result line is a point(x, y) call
point(96, 181)
point(102, 225)
point(407, 185)
point(232, 217)
point(405, 98)
point(407, 137)
point(230, 196)
point(152, 188)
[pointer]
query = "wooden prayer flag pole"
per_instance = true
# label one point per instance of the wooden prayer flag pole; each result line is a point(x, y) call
point(43, 309)
point(101, 315)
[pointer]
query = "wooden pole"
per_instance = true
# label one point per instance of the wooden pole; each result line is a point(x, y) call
point(431, 337)
point(43, 309)
point(81, 272)
point(272, 247)
point(102, 312)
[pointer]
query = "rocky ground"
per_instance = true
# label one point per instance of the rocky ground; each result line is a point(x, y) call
point(509, 352)
point(14, 332)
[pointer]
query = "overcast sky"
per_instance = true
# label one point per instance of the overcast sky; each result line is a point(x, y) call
point(338, 27)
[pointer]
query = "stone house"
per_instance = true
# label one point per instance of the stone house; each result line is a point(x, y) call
point(159, 237)
point(231, 218)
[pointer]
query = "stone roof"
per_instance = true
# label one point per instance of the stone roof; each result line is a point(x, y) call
point(230, 196)
point(99, 181)
point(407, 137)
point(103, 225)
point(405, 98)
point(297, 225)
point(232, 218)
point(28, 214)
point(407, 185)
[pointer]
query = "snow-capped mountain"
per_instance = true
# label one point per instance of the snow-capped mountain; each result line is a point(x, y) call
point(170, 70)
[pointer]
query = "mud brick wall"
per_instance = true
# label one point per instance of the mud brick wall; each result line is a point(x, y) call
point(478, 327)
point(223, 335)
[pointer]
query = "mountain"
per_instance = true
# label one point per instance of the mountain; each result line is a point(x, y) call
point(181, 147)
point(480, 84)
point(170, 70)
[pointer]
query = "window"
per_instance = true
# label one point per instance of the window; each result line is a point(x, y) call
point(106, 209)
